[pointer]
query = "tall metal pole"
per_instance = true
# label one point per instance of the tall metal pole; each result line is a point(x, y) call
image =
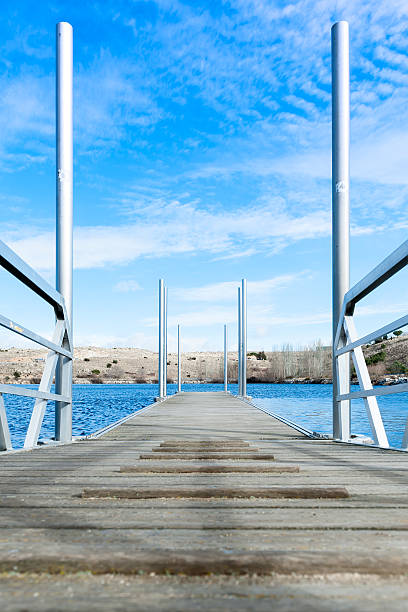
point(239, 343)
point(161, 338)
point(340, 213)
point(244, 337)
point(225, 359)
point(178, 360)
point(165, 341)
point(64, 196)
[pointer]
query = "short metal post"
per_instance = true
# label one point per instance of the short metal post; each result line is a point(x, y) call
point(340, 214)
point(64, 184)
point(178, 360)
point(165, 341)
point(225, 359)
point(239, 343)
point(244, 338)
point(161, 339)
point(5, 440)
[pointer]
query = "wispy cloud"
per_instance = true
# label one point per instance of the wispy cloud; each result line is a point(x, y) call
point(25, 114)
point(180, 229)
point(227, 291)
point(257, 316)
point(127, 286)
point(112, 95)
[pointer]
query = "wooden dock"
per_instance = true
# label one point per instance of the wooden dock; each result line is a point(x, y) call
point(203, 502)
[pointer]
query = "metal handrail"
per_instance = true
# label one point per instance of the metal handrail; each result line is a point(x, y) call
point(387, 329)
point(11, 262)
point(399, 388)
point(392, 264)
point(23, 391)
point(30, 335)
point(58, 363)
point(346, 341)
point(18, 268)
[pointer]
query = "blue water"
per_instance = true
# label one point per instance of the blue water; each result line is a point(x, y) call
point(311, 406)
point(95, 406)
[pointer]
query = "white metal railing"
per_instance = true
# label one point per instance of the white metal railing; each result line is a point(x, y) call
point(345, 337)
point(60, 348)
point(347, 341)
point(58, 363)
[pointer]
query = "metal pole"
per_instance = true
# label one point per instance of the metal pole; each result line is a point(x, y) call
point(244, 337)
point(165, 341)
point(340, 213)
point(225, 359)
point(161, 338)
point(239, 343)
point(178, 360)
point(64, 195)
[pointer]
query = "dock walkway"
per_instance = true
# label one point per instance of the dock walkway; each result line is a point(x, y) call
point(203, 502)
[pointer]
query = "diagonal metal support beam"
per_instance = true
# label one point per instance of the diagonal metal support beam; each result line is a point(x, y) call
point(404, 444)
point(40, 405)
point(370, 402)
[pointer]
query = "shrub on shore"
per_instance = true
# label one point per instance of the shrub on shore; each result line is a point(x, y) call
point(397, 368)
point(260, 355)
point(376, 358)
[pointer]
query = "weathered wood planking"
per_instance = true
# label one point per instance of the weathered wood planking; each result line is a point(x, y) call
point(47, 524)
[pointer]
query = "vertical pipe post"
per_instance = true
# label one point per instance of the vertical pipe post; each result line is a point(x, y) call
point(64, 221)
point(165, 341)
point(161, 339)
point(178, 360)
point(244, 337)
point(239, 343)
point(225, 359)
point(340, 214)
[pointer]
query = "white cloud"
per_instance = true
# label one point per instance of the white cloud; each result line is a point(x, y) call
point(112, 94)
point(25, 119)
point(218, 292)
point(384, 308)
point(127, 286)
point(178, 229)
point(257, 316)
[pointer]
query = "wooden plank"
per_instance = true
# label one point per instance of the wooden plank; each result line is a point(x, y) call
point(208, 469)
point(208, 455)
point(208, 493)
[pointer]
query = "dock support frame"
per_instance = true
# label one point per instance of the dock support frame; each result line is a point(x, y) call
point(165, 340)
point(225, 358)
point(239, 342)
point(64, 222)
point(244, 338)
point(161, 339)
point(340, 218)
point(178, 360)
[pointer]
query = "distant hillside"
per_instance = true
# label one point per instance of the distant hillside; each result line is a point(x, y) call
point(387, 357)
point(129, 365)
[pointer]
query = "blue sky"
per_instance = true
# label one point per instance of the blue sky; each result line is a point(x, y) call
point(202, 155)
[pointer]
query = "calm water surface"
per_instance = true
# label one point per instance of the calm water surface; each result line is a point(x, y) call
point(95, 406)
